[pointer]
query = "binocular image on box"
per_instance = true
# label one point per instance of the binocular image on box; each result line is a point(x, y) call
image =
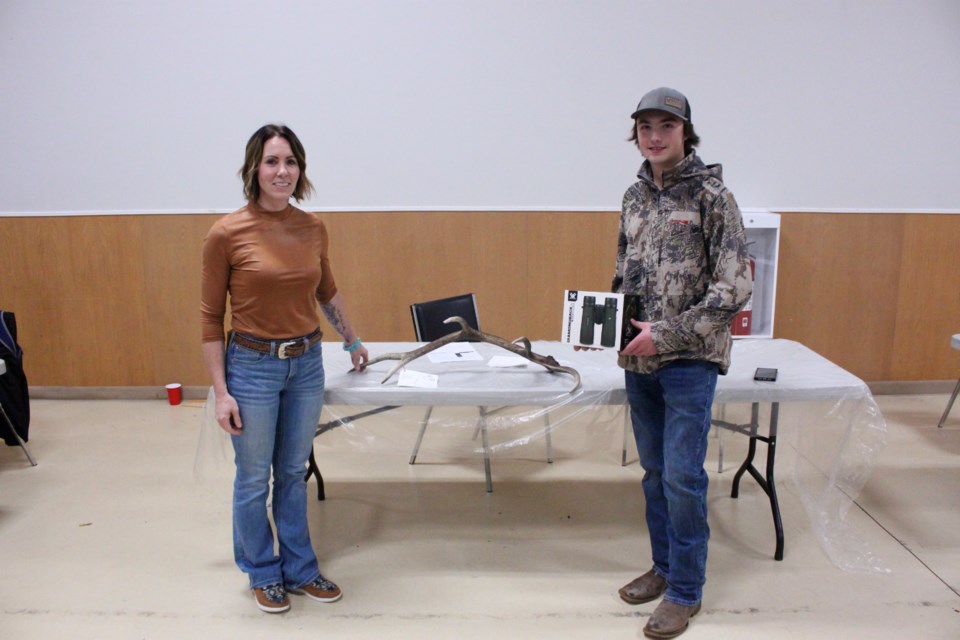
point(593, 315)
point(584, 311)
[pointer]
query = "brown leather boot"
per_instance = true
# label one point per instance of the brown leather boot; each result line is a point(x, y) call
point(647, 587)
point(669, 620)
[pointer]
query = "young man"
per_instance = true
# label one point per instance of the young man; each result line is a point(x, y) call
point(682, 249)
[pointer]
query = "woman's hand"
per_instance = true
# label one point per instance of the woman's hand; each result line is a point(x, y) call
point(359, 358)
point(337, 317)
point(225, 411)
point(227, 414)
point(643, 344)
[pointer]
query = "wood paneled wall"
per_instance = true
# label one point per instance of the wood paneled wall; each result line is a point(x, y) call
point(113, 300)
point(877, 294)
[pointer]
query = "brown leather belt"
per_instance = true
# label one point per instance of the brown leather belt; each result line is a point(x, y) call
point(283, 349)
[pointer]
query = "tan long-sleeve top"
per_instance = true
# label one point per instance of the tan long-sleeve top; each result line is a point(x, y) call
point(275, 266)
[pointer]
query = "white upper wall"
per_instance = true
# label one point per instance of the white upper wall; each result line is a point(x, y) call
point(144, 106)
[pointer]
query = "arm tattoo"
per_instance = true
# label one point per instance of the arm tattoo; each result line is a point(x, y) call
point(335, 317)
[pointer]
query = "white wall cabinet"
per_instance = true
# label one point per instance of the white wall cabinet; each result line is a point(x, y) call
point(763, 243)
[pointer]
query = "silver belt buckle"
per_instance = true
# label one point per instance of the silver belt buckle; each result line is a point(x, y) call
point(282, 349)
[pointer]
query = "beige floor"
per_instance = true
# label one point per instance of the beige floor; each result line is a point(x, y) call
point(112, 536)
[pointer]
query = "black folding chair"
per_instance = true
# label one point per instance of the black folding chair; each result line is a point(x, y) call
point(14, 395)
point(428, 325)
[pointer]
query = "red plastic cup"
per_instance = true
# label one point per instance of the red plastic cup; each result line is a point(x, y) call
point(175, 393)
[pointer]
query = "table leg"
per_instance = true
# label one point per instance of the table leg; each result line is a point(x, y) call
point(627, 429)
point(767, 482)
point(751, 451)
point(721, 415)
point(423, 428)
point(771, 485)
point(546, 421)
point(314, 470)
point(946, 412)
point(486, 449)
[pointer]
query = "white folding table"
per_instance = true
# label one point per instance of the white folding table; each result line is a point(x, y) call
point(803, 375)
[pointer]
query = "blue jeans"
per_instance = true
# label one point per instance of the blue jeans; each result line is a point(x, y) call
point(670, 410)
point(280, 403)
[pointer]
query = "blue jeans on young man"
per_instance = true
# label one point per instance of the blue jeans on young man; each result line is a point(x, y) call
point(280, 403)
point(670, 411)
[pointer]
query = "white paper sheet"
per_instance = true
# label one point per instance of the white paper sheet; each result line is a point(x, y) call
point(507, 361)
point(409, 378)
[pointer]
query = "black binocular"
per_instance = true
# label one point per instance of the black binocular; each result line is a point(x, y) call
point(593, 315)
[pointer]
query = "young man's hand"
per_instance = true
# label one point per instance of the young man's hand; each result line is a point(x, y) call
point(643, 344)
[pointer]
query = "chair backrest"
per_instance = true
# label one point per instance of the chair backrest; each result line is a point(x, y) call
point(428, 316)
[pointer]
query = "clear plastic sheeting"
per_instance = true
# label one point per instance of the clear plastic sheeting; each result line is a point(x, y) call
point(836, 453)
point(828, 421)
point(458, 432)
point(214, 456)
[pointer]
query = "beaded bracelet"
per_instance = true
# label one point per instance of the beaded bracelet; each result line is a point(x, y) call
point(353, 347)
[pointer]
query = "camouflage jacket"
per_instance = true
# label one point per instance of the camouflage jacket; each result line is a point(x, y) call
point(682, 248)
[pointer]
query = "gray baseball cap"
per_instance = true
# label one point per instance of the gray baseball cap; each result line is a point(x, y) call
point(665, 99)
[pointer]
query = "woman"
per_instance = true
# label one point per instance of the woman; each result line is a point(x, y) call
point(272, 258)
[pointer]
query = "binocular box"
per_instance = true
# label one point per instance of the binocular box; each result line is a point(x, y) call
point(600, 320)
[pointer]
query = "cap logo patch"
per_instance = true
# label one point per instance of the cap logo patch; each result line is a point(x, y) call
point(670, 101)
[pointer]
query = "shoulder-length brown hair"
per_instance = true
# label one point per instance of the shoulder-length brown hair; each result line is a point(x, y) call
point(251, 164)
